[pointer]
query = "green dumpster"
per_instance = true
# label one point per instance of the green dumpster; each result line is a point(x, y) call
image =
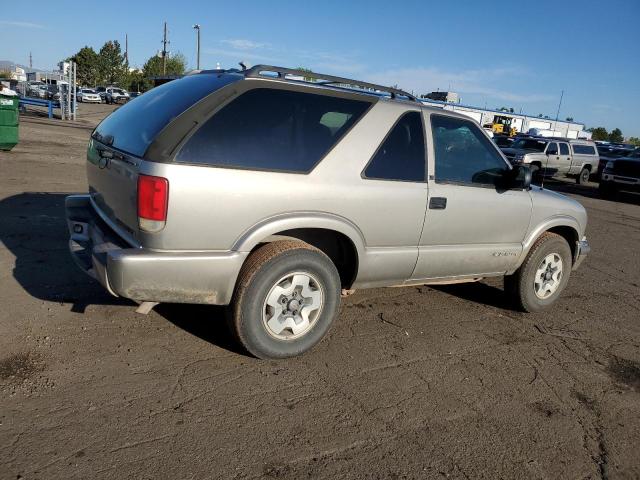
point(8, 121)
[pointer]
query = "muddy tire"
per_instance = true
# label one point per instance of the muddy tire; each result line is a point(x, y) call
point(543, 275)
point(286, 298)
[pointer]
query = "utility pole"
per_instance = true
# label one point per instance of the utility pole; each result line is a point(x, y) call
point(558, 111)
point(197, 28)
point(30, 60)
point(164, 50)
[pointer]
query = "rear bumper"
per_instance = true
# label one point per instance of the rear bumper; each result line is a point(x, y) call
point(582, 250)
point(144, 275)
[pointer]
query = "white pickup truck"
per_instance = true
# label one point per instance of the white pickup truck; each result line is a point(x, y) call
point(555, 157)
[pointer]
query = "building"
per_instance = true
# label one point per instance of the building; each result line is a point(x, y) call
point(523, 123)
point(16, 72)
point(46, 77)
point(63, 67)
point(448, 97)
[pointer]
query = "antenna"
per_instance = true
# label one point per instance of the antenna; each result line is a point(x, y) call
point(555, 125)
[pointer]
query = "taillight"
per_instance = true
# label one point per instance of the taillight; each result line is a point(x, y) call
point(153, 199)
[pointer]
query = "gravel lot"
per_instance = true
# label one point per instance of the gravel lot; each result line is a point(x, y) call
point(444, 382)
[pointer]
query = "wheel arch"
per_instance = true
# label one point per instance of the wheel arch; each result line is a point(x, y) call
point(336, 236)
point(567, 227)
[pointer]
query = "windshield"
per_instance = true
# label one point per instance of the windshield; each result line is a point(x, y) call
point(530, 144)
point(132, 127)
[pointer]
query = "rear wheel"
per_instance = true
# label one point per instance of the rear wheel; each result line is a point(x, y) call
point(539, 281)
point(583, 177)
point(287, 297)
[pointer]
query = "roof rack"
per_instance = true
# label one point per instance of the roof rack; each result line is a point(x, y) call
point(258, 70)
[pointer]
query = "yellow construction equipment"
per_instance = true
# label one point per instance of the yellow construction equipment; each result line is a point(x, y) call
point(502, 125)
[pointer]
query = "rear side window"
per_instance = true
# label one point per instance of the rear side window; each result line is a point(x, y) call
point(464, 154)
point(132, 127)
point(401, 156)
point(584, 149)
point(270, 129)
point(564, 149)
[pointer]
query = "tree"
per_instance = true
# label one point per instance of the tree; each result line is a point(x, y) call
point(136, 82)
point(306, 79)
point(176, 65)
point(111, 63)
point(88, 65)
point(6, 74)
point(616, 136)
point(599, 133)
point(634, 141)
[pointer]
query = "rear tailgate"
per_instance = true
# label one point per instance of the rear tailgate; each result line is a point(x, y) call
point(113, 178)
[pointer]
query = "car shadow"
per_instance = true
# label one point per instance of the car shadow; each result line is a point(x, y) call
point(207, 322)
point(590, 191)
point(478, 292)
point(33, 228)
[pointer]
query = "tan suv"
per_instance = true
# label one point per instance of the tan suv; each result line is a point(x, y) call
point(274, 190)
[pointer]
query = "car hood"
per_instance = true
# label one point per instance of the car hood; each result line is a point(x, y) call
point(548, 205)
point(520, 151)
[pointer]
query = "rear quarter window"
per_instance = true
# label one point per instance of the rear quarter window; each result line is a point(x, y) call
point(584, 149)
point(132, 127)
point(273, 129)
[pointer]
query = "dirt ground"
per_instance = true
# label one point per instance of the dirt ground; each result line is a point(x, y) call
point(444, 382)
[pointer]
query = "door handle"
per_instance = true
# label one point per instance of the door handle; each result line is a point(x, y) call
point(438, 203)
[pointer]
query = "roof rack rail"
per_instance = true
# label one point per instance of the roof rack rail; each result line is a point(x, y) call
point(257, 71)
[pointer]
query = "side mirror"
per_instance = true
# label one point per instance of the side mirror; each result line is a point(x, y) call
point(521, 176)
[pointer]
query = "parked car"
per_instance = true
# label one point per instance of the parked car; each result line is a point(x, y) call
point(273, 196)
point(56, 92)
point(88, 95)
point(502, 141)
point(34, 88)
point(134, 94)
point(607, 153)
point(555, 157)
point(52, 92)
point(41, 91)
point(100, 90)
point(115, 95)
point(622, 173)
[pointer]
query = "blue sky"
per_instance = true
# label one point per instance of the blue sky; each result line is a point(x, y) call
point(520, 57)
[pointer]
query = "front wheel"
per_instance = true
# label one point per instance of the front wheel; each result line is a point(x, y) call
point(537, 284)
point(287, 296)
